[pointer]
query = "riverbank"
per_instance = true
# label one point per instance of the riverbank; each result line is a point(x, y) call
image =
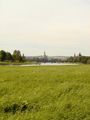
point(17, 63)
point(35, 64)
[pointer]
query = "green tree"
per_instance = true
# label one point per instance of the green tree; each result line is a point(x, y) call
point(8, 56)
point(17, 55)
point(23, 58)
point(2, 55)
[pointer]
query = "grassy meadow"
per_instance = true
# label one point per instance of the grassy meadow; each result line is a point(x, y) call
point(45, 93)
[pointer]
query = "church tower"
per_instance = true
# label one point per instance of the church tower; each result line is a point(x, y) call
point(45, 57)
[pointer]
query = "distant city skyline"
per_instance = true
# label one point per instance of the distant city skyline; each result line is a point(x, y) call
point(58, 27)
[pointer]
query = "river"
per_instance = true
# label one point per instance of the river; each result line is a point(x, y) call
point(49, 64)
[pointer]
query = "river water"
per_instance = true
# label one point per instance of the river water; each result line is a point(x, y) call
point(49, 64)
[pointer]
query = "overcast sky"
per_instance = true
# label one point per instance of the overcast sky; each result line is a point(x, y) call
point(59, 27)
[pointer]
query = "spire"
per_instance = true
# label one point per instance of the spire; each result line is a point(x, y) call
point(45, 57)
point(44, 54)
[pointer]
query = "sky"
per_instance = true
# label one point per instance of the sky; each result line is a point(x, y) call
point(59, 27)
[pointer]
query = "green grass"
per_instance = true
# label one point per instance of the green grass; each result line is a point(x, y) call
point(45, 93)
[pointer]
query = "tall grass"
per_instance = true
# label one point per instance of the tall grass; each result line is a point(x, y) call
point(45, 93)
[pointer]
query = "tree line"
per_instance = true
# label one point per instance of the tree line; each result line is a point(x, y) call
point(17, 57)
point(7, 56)
point(73, 59)
point(79, 59)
